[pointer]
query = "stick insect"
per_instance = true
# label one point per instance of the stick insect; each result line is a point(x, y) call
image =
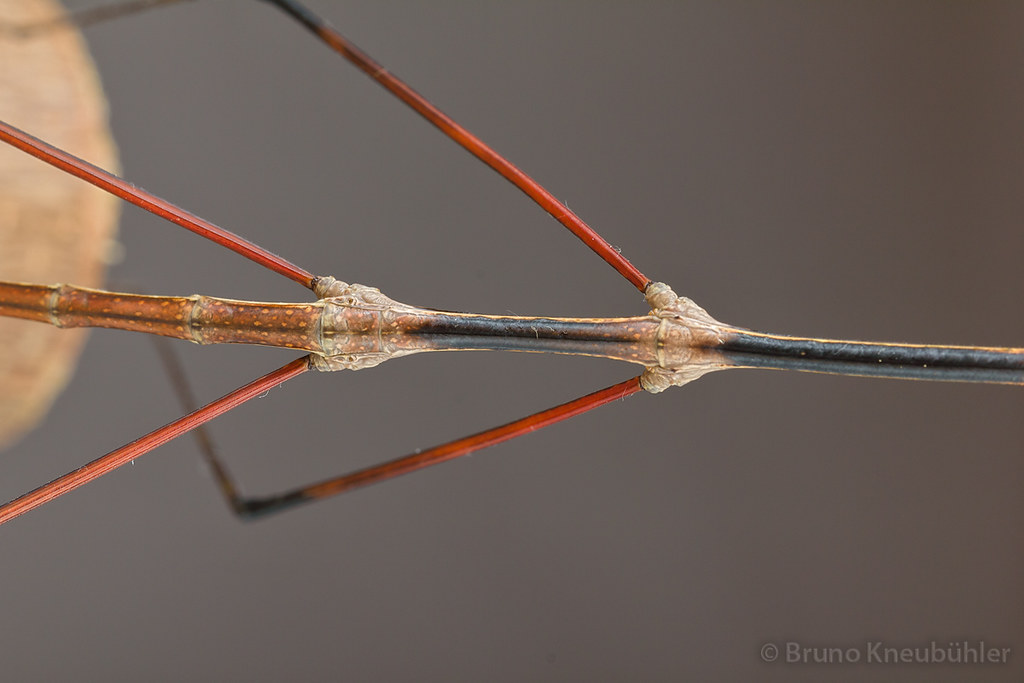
point(353, 327)
point(734, 189)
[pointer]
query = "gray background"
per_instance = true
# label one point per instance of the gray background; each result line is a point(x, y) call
point(801, 168)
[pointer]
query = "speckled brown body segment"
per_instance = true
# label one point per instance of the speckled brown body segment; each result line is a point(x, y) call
point(352, 327)
point(201, 319)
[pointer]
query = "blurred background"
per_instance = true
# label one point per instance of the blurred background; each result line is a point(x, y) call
point(821, 169)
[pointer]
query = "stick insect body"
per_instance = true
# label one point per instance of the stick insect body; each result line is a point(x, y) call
point(351, 327)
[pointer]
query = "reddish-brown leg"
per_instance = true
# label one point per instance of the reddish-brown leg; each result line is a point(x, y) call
point(150, 202)
point(465, 139)
point(125, 454)
point(251, 507)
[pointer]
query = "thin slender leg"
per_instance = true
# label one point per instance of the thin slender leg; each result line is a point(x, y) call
point(109, 182)
point(252, 507)
point(186, 399)
point(125, 454)
point(471, 143)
